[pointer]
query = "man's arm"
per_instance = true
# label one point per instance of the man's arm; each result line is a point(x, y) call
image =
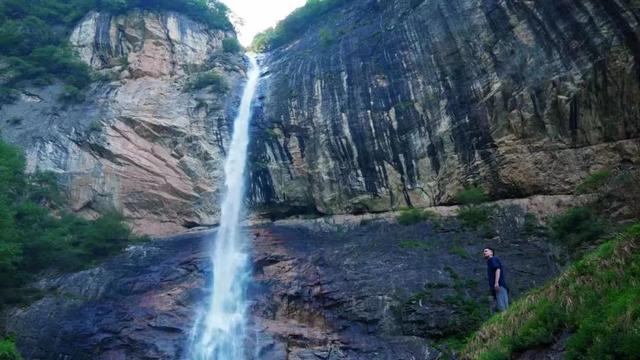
point(496, 285)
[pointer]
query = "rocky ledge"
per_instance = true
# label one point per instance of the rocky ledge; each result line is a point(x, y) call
point(329, 288)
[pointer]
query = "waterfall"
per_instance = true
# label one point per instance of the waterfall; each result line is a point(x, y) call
point(219, 333)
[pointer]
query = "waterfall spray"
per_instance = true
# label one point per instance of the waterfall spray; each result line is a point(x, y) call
point(219, 334)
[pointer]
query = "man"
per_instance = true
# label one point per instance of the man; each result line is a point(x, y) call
point(497, 281)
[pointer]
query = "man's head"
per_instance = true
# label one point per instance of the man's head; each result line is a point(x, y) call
point(487, 253)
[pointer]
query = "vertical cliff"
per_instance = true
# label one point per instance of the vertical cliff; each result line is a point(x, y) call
point(388, 103)
point(149, 139)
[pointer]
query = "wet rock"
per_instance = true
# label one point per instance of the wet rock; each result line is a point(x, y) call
point(409, 101)
point(376, 290)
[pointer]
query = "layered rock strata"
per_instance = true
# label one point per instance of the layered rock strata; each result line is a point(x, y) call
point(140, 143)
point(387, 103)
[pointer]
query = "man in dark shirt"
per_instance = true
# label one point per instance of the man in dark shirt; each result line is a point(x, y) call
point(497, 280)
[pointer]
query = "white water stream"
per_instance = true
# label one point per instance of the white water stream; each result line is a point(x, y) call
point(219, 333)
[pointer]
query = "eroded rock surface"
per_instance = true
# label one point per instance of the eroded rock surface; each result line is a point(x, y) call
point(322, 289)
point(388, 103)
point(140, 143)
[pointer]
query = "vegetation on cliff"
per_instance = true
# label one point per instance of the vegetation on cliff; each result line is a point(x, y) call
point(33, 38)
point(596, 301)
point(8, 350)
point(38, 234)
point(294, 25)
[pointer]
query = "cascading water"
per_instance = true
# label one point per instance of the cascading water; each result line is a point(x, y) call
point(219, 333)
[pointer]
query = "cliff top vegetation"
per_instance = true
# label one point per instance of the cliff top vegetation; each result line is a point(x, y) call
point(34, 37)
point(294, 25)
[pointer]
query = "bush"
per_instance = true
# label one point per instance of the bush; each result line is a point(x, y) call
point(577, 227)
point(206, 79)
point(472, 196)
point(33, 240)
point(231, 45)
point(71, 94)
point(413, 216)
point(474, 216)
point(8, 350)
point(593, 182)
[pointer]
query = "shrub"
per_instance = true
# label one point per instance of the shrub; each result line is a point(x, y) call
point(206, 79)
point(413, 216)
point(474, 216)
point(472, 196)
point(8, 95)
point(231, 45)
point(577, 227)
point(33, 240)
point(593, 182)
point(8, 350)
point(530, 225)
point(326, 37)
point(71, 94)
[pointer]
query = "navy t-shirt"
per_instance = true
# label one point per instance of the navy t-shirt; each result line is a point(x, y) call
point(492, 265)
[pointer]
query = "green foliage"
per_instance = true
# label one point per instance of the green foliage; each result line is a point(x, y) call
point(577, 227)
point(530, 225)
point(231, 45)
point(206, 79)
point(8, 350)
point(472, 195)
point(474, 216)
point(414, 244)
point(71, 94)
point(593, 182)
point(33, 37)
point(459, 250)
point(597, 299)
point(33, 240)
point(326, 37)
point(295, 24)
point(412, 216)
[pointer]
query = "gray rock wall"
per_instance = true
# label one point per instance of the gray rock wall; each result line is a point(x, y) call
point(140, 143)
point(389, 103)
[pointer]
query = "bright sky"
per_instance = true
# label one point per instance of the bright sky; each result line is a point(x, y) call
point(258, 15)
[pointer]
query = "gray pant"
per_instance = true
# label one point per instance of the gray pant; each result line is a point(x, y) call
point(502, 299)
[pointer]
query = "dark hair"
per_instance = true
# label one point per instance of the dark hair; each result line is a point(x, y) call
point(493, 252)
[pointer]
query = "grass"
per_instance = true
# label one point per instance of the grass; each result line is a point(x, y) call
point(597, 299)
point(412, 216)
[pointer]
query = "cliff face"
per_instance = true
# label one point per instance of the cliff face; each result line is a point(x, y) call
point(388, 103)
point(139, 143)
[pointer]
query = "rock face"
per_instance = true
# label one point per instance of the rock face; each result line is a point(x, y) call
point(323, 289)
point(388, 103)
point(140, 143)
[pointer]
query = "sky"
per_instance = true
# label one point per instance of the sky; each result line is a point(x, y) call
point(258, 15)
